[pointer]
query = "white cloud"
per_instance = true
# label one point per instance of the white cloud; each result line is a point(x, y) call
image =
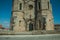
point(6, 24)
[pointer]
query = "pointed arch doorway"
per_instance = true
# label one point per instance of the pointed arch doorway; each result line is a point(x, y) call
point(30, 26)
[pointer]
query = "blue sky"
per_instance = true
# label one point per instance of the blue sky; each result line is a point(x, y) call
point(6, 8)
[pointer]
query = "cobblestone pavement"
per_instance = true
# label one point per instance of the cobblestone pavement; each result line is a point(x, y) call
point(31, 37)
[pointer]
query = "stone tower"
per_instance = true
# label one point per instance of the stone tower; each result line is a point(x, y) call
point(29, 15)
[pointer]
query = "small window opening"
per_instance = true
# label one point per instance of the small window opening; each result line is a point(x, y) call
point(20, 6)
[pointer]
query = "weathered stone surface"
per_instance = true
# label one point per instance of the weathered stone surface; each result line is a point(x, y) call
point(29, 11)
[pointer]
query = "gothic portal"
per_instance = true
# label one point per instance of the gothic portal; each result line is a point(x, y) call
point(29, 15)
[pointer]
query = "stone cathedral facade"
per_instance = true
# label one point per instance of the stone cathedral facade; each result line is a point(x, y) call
point(29, 15)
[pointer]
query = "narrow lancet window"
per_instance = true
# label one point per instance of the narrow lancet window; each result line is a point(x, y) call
point(48, 5)
point(20, 6)
point(39, 5)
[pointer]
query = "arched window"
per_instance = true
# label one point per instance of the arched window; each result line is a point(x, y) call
point(20, 6)
point(19, 22)
point(39, 5)
point(48, 5)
